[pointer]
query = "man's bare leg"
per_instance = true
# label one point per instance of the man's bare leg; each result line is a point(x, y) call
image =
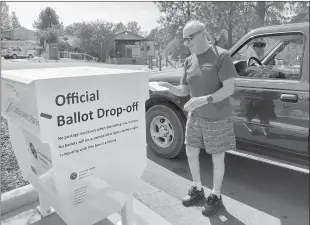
point(218, 172)
point(196, 192)
point(194, 165)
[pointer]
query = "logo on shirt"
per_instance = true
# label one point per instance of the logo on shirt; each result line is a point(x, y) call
point(207, 66)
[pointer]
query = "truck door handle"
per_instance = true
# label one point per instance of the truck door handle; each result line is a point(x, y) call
point(289, 97)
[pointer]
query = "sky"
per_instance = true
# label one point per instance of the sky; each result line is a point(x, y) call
point(145, 13)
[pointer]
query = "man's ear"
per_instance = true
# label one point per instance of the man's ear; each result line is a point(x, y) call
point(205, 36)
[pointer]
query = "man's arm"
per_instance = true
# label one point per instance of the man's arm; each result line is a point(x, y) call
point(225, 91)
point(182, 89)
point(226, 74)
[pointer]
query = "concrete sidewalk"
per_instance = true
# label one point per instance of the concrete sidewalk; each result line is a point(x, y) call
point(19, 208)
point(30, 215)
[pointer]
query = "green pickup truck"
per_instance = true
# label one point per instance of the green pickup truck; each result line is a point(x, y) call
point(270, 103)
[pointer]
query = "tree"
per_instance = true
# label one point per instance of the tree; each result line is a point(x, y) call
point(47, 18)
point(226, 20)
point(5, 18)
point(51, 34)
point(103, 38)
point(160, 36)
point(174, 16)
point(133, 27)
point(269, 13)
point(176, 13)
point(219, 17)
point(73, 29)
point(48, 26)
point(119, 27)
point(229, 19)
point(97, 37)
point(14, 21)
point(299, 11)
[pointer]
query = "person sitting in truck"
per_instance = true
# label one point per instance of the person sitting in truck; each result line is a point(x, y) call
point(259, 48)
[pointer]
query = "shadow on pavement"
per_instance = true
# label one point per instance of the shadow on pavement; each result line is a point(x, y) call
point(221, 218)
point(55, 219)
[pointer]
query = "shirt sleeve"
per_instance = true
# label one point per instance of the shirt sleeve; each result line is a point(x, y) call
point(184, 77)
point(227, 68)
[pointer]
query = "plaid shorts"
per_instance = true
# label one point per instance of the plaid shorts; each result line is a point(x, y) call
point(215, 136)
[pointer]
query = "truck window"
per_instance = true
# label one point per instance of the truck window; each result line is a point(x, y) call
point(291, 54)
point(280, 56)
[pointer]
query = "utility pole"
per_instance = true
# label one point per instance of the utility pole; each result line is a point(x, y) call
point(45, 50)
point(101, 52)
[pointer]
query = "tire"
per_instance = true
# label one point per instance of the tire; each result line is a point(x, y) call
point(30, 56)
point(166, 141)
point(14, 56)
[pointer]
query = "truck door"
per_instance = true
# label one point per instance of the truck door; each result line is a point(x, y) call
point(271, 101)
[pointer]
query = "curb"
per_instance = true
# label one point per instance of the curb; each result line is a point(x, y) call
point(146, 69)
point(17, 198)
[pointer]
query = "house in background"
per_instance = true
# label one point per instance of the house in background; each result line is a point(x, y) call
point(20, 33)
point(131, 48)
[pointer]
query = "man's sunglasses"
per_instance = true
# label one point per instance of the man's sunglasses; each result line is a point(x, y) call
point(191, 37)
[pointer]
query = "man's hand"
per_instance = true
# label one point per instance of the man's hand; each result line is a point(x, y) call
point(195, 102)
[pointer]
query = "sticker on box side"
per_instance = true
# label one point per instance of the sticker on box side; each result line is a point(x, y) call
point(23, 117)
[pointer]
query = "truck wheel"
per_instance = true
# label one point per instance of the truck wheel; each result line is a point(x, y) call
point(14, 56)
point(165, 129)
point(30, 56)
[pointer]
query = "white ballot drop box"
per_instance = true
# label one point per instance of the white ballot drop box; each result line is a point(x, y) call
point(78, 134)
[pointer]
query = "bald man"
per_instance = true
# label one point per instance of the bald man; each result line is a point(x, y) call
point(208, 79)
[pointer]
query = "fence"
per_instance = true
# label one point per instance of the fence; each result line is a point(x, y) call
point(77, 56)
point(168, 62)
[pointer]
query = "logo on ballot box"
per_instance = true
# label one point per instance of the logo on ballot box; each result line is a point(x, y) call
point(73, 176)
